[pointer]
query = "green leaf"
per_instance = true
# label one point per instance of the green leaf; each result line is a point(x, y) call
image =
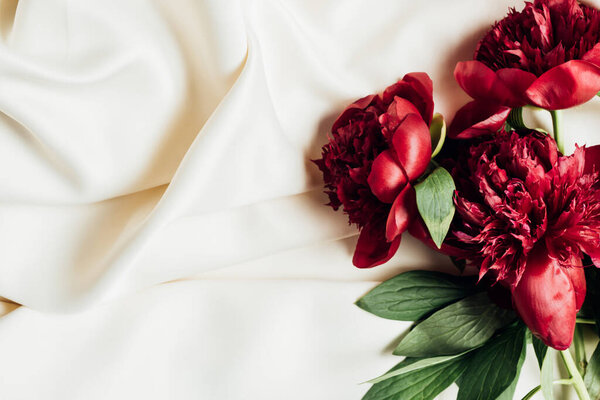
point(493, 368)
point(540, 350)
point(435, 204)
point(438, 134)
point(547, 374)
point(592, 375)
point(461, 326)
point(509, 393)
point(420, 364)
point(422, 384)
point(414, 294)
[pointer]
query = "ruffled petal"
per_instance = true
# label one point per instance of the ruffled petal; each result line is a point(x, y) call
point(412, 145)
point(480, 82)
point(590, 247)
point(403, 211)
point(387, 178)
point(359, 105)
point(592, 159)
point(372, 249)
point(545, 299)
point(417, 88)
point(566, 85)
point(477, 118)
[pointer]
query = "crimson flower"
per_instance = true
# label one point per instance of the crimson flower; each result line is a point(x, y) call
point(547, 55)
point(527, 215)
point(378, 146)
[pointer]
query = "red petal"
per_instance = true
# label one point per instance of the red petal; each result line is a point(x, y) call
point(517, 80)
point(480, 82)
point(577, 276)
point(372, 249)
point(566, 85)
point(593, 55)
point(395, 114)
point(418, 230)
point(592, 159)
point(545, 299)
point(477, 118)
point(590, 247)
point(403, 211)
point(357, 106)
point(387, 178)
point(417, 88)
point(423, 85)
point(412, 144)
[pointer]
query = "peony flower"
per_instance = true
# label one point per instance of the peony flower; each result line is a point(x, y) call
point(547, 55)
point(526, 215)
point(378, 146)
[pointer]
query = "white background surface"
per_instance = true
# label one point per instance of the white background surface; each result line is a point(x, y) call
point(160, 219)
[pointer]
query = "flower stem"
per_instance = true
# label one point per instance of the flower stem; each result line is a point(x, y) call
point(538, 387)
point(578, 384)
point(585, 321)
point(557, 128)
point(563, 382)
point(580, 357)
point(532, 392)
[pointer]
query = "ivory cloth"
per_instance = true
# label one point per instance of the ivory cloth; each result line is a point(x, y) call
point(161, 223)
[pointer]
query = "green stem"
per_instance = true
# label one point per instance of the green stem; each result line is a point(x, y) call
point(580, 357)
point(515, 118)
point(585, 321)
point(538, 387)
point(557, 129)
point(578, 384)
point(563, 382)
point(532, 392)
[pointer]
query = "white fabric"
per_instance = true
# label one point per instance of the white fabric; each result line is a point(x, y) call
point(143, 142)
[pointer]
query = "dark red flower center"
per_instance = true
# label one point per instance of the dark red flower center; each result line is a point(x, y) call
point(544, 35)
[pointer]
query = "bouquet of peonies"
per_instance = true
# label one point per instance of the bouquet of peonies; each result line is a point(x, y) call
point(518, 216)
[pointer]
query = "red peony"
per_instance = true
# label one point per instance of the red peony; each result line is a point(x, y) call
point(547, 55)
point(527, 215)
point(378, 146)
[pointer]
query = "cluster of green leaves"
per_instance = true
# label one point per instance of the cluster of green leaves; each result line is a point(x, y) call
point(459, 336)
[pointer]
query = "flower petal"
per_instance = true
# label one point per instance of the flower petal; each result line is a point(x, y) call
point(417, 88)
point(477, 118)
point(372, 249)
point(566, 85)
point(403, 211)
point(577, 276)
point(412, 144)
point(592, 159)
point(395, 114)
point(517, 80)
point(352, 109)
point(545, 299)
point(480, 82)
point(418, 230)
point(387, 178)
point(593, 55)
